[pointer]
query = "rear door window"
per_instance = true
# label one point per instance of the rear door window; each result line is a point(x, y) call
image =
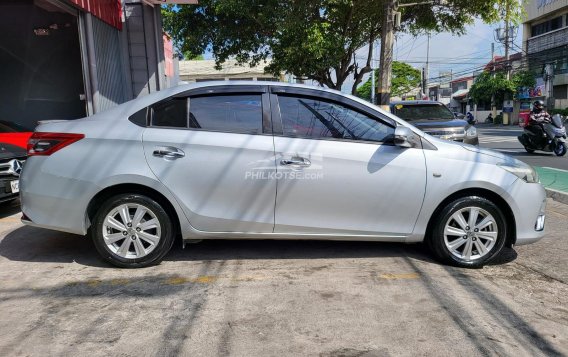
point(234, 113)
point(170, 113)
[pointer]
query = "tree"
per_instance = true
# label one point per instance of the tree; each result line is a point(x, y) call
point(487, 85)
point(311, 39)
point(404, 79)
point(188, 56)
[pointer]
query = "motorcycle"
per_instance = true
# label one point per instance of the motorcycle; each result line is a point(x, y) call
point(549, 137)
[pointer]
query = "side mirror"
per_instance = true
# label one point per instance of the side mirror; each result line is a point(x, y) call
point(405, 138)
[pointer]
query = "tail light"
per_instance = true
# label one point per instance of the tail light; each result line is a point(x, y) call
point(47, 143)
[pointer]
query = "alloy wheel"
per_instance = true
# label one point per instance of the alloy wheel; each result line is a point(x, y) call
point(131, 230)
point(470, 233)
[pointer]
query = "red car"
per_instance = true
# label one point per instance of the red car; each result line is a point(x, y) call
point(14, 134)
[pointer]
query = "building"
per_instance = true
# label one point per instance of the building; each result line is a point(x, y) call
point(545, 41)
point(460, 90)
point(204, 70)
point(66, 59)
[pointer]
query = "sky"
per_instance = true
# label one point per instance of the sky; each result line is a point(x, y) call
point(461, 54)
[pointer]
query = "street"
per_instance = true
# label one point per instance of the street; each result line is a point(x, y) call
point(504, 139)
point(280, 298)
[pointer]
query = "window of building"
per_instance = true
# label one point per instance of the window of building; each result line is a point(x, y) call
point(170, 113)
point(313, 118)
point(561, 92)
point(229, 113)
point(547, 26)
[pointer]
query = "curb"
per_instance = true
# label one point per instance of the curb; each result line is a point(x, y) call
point(558, 196)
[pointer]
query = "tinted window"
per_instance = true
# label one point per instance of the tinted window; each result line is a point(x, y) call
point(304, 117)
point(230, 113)
point(139, 118)
point(411, 112)
point(171, 113)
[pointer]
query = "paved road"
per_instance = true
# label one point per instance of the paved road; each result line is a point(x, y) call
point(504, 139)
point(280, 298)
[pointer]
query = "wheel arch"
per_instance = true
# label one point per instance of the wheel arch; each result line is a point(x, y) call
point(134, 188)
point(484, 193)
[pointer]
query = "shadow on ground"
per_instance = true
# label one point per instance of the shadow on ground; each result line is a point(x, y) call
point(9, 208)
point(30, 244)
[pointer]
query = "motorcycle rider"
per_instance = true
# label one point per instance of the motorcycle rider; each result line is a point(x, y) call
point(538, 117)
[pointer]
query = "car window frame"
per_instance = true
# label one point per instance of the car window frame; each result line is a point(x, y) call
point(221, 90)
point(327, 97)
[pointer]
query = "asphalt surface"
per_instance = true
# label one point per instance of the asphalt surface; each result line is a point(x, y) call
point(504, 139)
point(280, 298)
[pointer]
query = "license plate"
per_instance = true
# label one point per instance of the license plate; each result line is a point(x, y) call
point(15, 185)
point(446, 137)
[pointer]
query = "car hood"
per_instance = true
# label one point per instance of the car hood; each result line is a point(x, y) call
point(438, 124)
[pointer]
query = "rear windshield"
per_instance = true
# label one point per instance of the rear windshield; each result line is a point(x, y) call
point(411, 112)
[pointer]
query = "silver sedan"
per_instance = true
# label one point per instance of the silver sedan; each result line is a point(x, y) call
point(250, 160)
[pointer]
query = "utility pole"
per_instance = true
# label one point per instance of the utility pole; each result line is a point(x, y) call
point(493, 106)
point(549, 85)
point(387, 42)
point(506, 115)
point(427, 69)
point(373, 67)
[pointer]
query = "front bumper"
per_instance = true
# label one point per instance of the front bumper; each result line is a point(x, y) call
point(528, 202)
point(7, 191)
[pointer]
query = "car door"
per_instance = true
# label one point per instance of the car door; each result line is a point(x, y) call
point(338, 171)
point(214, 150)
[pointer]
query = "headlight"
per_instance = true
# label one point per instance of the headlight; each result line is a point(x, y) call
point(526, 173)
point(471, 131)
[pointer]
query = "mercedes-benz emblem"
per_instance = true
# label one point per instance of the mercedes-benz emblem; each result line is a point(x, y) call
point(15, 167)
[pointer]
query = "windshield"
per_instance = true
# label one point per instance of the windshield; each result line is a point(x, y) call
point(411, 112)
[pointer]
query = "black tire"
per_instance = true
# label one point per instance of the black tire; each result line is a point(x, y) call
point(437, 241)
point(155, 256)
point(530, 151)
point(560, 149)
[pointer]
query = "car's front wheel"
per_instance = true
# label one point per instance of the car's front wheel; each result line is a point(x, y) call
point(132, 231)
point(468, 232)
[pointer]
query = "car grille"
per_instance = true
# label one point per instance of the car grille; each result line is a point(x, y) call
point(449, 134)
point(11, 167)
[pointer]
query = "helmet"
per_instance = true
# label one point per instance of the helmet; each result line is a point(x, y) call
point(538, 104)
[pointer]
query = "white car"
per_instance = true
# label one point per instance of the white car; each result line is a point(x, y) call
point(254, 160)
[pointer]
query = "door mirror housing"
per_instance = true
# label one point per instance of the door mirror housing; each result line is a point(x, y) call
point(405, 138)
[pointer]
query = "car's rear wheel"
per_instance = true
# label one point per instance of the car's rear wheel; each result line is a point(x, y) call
point(469, 232)
point(132, 231)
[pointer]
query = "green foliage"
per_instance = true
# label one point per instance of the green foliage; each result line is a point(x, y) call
point(404, 79)
point(487, 85)
point(190, 56)
point(563, 112)
point(311, 39)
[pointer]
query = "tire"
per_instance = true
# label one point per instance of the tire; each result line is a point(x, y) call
point(560, 149)
point(530, 151)
point(145, 242)
point(489, 237)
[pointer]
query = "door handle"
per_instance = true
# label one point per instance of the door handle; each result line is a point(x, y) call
point(169, 153)
point(296, 161)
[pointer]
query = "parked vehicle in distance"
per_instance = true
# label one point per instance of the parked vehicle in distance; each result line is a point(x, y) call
point(14, 134)
point(12, 159)
point(435, 119)
point(206, 160)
